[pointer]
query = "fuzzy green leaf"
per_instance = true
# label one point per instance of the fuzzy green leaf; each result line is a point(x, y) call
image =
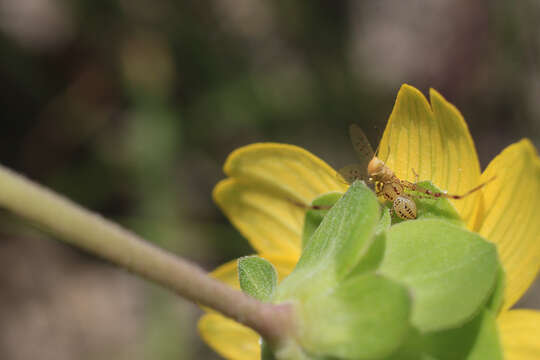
point(476, 340)
point(450, 271)
point(385, 221)
point(337, 245)
point(497, 298)
point(345, 233)
point(314, 217)
point(364, 317)
point(374, 255)
point(258, 277)
point(412, 349)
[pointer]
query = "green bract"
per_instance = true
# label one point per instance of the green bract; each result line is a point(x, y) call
point(258, 277)
point(365, 288)
point(314, 217)
point(350, 321)
point(450, 271)
point(431, 208)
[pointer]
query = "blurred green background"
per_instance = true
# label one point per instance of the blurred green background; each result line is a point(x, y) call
point(130, 108)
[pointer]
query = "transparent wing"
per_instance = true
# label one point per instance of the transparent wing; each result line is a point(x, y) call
point(351, 173)
point(361, 144)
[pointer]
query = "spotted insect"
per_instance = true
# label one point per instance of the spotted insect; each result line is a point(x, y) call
point(373, 170)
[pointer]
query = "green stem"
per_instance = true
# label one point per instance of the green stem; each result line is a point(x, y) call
point(84, 229)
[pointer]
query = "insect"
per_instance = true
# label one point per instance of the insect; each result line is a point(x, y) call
point(387, 184)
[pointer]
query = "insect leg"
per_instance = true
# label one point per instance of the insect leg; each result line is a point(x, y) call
point(379, 188)
point(432, 194)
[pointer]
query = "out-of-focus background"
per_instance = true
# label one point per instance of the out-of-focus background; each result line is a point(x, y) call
point(130, 108)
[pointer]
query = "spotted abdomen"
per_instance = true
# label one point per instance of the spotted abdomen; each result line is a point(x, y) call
point(405, 207)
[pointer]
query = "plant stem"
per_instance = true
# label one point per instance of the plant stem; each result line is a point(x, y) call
point(84, 229)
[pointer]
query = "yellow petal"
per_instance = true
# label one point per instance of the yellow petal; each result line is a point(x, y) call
point(435, 142)
point(520, 334)
point(269, 221)
point(267, 181)
point(230, 339)
point(511, 219)
point(228, 273)
point(288, 168)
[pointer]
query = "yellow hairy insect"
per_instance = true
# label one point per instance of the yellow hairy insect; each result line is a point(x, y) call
point(387, 184)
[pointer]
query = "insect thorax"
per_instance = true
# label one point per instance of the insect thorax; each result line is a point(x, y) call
point(390, 190)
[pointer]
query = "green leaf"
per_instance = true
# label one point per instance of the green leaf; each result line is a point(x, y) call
point(337, 245)
point(364, 317)
point(487, 344)
point(497, 297)
point(385, 221)
point(375, 253)
point(314, 217)
point(441, 208)
point(411, 348)
point(476, 340)
point(345, 232)
point(431, 208)
point(373, 257)
point(258, 277)
point(450, 271)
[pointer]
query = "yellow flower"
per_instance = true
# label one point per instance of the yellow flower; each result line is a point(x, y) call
point(433, 139)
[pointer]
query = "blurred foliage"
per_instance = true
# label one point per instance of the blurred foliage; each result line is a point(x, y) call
point(130, 107)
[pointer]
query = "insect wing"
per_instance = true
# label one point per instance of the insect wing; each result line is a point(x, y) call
point(351, 173)
point(361, 144)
